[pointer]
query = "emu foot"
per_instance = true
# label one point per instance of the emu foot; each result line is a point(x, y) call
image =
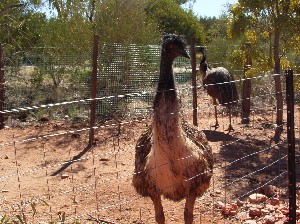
point(160, 218)
point(159, 211)
point(215, 126)
point(189, 208)
point(230, 128)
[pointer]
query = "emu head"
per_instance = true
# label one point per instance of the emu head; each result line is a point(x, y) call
point(203, 64)
point(202, 50)
point(174, 45)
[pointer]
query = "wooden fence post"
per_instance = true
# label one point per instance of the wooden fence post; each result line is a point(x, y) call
point(279, 101)
point(299, 122)
point(194, 83)
point(2, 90)
point(246, 94)
point(94, 89)
point(291, 145)
point(246, 101)
point(279, 108)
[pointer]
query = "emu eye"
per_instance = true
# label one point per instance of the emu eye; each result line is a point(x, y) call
point(171, 46)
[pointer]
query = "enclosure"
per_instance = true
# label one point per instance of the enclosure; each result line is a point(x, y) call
point(51, 170)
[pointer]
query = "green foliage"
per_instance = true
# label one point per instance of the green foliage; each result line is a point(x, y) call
point(81, 76)
point(180, 2)
point(29, 217)
point(20, 27)
point(173, 19)
point(4, 220)
point(73, 32)
point(215, 29)
point(37, 78)
point(239, 21)
point(124, 69)
point(125, 22)
point(70, 9)
point(269, 25)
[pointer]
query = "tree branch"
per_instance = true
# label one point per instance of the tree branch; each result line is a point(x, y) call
point(10, 7)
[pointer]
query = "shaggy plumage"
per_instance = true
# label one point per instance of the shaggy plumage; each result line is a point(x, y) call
point(219, 85)
point(172, 158)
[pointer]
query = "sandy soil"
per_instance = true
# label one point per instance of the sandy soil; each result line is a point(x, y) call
point(39, 183)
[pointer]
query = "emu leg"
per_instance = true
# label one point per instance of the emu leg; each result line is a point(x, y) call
point(216, 117)
point(230, 128)
point(189, 208)
point(158, 208)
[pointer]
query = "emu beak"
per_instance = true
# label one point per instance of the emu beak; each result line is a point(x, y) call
point(185, 54)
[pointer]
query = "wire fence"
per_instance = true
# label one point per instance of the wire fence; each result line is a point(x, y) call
point(51, 75)
point(49, 173)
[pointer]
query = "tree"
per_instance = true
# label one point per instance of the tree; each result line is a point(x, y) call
point(76, 31)
point(214, 28)
point(125, 21)
point(66, 9)
point(6, 8)
point(272, 21)
point(222, 51)
point(19, 25)
point(172, 18)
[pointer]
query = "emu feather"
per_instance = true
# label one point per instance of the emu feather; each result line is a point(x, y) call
point(172, 158)
point(220, 85)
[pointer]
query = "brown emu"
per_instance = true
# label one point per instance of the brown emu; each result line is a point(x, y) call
point(172, 159)
point(220, 85)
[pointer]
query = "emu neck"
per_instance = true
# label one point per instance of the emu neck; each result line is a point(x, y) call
point(203, 66)
point(166, 78)
point(166, 100)
point(166, 106)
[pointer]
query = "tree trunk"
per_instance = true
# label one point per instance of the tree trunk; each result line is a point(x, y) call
point(276, 51)
point(270, 50)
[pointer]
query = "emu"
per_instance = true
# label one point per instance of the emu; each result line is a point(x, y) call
point(220, 85)
point(172, 158)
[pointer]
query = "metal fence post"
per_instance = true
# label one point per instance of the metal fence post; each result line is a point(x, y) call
point(194, 84)
point(2, 90)
point(291, 145)
point(94, 89)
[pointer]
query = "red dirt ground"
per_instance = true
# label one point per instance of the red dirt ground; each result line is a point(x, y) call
point(96, 187)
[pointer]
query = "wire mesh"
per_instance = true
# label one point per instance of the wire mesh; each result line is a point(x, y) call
point(56, 75)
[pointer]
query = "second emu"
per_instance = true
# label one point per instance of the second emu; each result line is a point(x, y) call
point(172, 158)
point(220, 85)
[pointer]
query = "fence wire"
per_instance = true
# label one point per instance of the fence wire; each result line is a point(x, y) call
point(56, 75)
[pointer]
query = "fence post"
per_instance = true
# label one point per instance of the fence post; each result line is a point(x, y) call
point(246, 101)
point(279, 101)
point(94, 89)
point(194, 83)
point(2, 90)
point(291, 145)
point(246, 86)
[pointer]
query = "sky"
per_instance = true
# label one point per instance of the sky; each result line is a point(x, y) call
point(210, 8)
